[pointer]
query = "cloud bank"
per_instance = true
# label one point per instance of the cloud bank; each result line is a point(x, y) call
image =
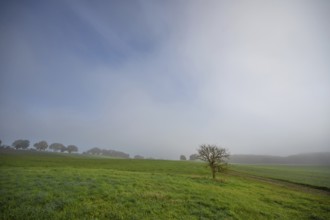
point(160, 78)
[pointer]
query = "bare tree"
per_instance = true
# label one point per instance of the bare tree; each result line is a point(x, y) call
point(215, 157)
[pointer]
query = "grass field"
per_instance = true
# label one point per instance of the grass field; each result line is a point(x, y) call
point(60, 186)
point(318, 176)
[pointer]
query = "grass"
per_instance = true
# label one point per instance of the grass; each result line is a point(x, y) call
point(318, 176)
point(37, 185)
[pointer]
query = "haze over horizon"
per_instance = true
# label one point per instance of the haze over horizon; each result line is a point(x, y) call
point(159, 78)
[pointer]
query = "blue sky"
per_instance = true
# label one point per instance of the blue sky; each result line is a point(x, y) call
point(159, 78)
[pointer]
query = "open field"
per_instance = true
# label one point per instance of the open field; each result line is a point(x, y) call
point(318, 176)
point(60, 186)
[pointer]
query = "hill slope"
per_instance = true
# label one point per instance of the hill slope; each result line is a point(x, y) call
point(51, 186)
point(322, 158)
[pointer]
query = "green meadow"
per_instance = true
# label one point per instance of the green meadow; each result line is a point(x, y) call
point(36, 185)
point(315, 176)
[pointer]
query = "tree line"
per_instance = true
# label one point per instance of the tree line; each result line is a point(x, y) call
point(191, 157)
point(105, 152)
point(216, 157)
point(21, 144)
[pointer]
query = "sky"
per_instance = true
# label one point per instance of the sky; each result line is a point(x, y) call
point(160, 78)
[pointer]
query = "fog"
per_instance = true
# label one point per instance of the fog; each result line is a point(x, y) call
point(159, 78)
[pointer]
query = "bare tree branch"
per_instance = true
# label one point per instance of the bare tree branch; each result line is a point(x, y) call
point(214, 155)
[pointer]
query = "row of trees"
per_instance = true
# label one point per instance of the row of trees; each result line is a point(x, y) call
point(191, 157)
point(60, 147)
point(110, 153)
point(105, 152)
point(43, 145)
point(216, 157)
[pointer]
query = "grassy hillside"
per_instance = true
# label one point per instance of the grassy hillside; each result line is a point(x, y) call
point(61, 186)
point(318, 176)
point(322, 158)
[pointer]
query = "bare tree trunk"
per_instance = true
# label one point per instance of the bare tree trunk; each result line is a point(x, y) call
point(213, 172)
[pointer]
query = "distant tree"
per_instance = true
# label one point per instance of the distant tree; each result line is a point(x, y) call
point(183, 157)
point(193, 157)
point(214, 156)
point(138, 157)
point(94, 151)
point(2, 146)
point(41, 145)
point(105, 152)
point(7, 147)
point(114, 153)
point(63, 149)
point(72, 148)
point(21, 144)
point(56, 147)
